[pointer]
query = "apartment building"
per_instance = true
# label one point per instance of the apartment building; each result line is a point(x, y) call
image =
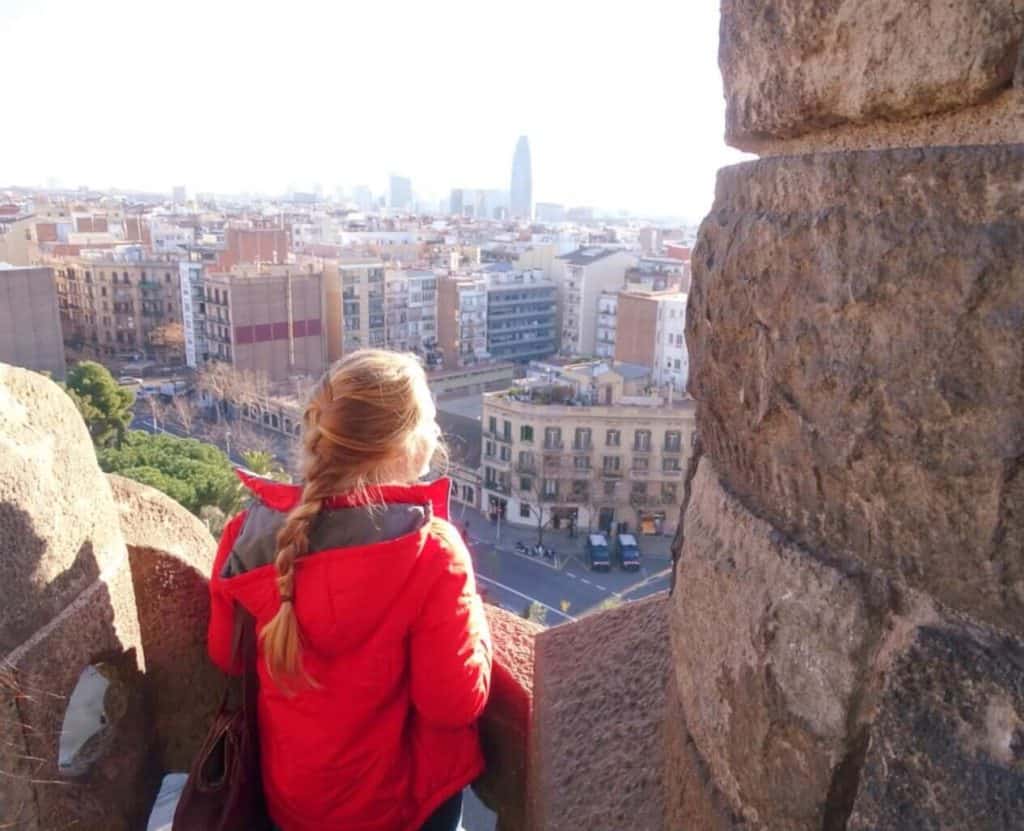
point(522, 313)
point(607, 307)
point(587, 446)
point(650, 331)
point(355, 311)
point(266, 319)
point(462, 320)
point(30, 330)
point(116, 303)
point(410, 313)
point(585, 274)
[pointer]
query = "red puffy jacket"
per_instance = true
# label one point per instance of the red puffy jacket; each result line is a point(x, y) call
point(395, 637)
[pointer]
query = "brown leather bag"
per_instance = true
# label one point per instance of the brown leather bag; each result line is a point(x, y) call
point(224, 791)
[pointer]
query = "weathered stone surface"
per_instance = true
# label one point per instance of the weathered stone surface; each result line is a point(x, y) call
point(692, 802)
point(855, 339)
point(171, 554)
point(794, 66)
point(39, 676)
point(769, 646)
point(598, 744)
point(946, 749)
point(999, 121)
point(505, 725)
point(58, 524)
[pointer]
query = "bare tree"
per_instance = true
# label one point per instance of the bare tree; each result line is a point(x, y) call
point(184, 411)
point(227, 385)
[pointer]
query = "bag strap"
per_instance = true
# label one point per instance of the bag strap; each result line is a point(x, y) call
point(243, 644)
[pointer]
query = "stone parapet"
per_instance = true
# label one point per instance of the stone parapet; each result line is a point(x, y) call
point(855, 335)
point(796, 67)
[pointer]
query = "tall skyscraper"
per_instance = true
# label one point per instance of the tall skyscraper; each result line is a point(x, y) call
point(400, 196)
point(521, 191)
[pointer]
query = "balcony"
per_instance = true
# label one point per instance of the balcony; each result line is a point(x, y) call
point(527, 468)
point(640, 473)
point(610, 473)
point(498, 487)
point(671, 475)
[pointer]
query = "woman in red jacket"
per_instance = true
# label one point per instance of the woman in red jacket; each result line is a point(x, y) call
point(375, 653)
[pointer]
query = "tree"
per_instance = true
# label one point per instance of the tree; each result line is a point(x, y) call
point(184, 411)
point(169, 338)
point(105, 406)
point(227, 385)
point(263, 463)
point(192, 472)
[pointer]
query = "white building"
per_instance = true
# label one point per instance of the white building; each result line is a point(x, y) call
point(671, 361)
point(607, 304)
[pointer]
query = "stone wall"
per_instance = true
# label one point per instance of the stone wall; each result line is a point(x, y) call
point(848, 613)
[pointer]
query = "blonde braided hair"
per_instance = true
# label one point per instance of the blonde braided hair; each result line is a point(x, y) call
point(365, 424)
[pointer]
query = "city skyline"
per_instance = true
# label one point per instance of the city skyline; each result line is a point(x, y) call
point(303, 97)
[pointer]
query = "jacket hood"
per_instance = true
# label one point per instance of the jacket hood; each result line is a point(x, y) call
point(362, 556)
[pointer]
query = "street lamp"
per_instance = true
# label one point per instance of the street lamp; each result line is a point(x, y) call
point(227, 443)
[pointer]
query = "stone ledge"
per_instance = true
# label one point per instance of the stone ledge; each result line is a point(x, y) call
point(598, 747)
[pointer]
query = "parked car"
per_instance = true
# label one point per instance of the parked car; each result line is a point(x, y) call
point(597, 553)
point(627, 552)
point(130, 381)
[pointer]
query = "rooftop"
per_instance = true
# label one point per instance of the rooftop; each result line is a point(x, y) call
point(586, 256)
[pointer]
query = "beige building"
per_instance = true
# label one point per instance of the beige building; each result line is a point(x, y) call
point(588, 446)
point(30, 331)
point(587, 273)
point(118, 304)
point(462, 320)
point(266, 319)
point(354, 310)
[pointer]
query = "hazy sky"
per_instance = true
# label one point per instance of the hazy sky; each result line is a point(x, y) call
point(622, 101)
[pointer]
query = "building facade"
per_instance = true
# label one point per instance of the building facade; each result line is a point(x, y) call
point(650, 332)
point(607, 308)
point(521, 189)
point(462, 320)
point(117, 303)
point(30, 325)
point(521, 314)
point(267, 320)
point(553, 458)
point(585, 274)
point(400, 193)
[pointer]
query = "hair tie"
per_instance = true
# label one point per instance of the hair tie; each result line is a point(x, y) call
point(287, 598)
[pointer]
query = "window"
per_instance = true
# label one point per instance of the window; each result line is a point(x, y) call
point(525, 483)
point(641, 464)
point(526, 433)
point(613, 438)
point(642, 440)
point(611, 464)
point(670, 463)
point(668, 493)
point(677, 363)
point(552, 437)
point(579, 488)
point(525, 459)
point(492, 425)
point(468, 494)
point(506, 453)
point(581, 462)
point(639, 490)
point(609, 488)
point(167, 277)
point(506, 430)
point(673, 441)
point(489, 478)
point(551, 487)
point(489, 449)
point(581, 440)
point(524, 510)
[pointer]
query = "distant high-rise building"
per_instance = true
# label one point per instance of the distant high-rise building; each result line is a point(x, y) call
point(400, 193)
point(363, 197)
point(178, 194)
point(521, 191)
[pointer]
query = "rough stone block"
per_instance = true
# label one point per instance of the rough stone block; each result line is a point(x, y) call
point(58, 524)
point(946, 749)
point(855, 338)
point(115, 791)
point(171, 554)
point(505, 725)
point(769, 647)
point(692, 802)
point(598, 728)
point(794, 66)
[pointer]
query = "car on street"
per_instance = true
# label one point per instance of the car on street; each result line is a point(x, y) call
point(627, 552)
point(597, 552)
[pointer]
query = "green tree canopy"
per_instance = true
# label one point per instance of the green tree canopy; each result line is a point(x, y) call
point(195, 474)
point(263, 463)
point(105, 406)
